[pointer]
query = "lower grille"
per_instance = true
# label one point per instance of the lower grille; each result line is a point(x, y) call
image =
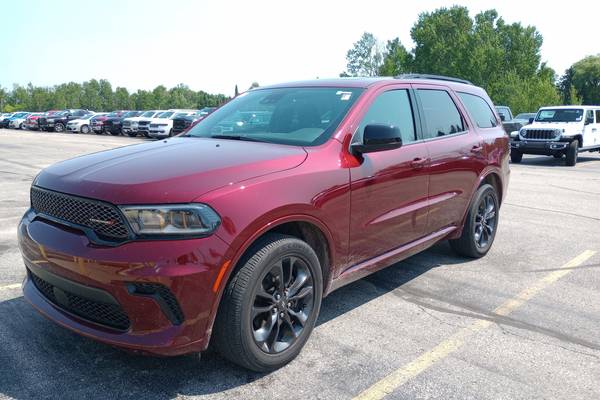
point(103, 218)
point(541, 134)
point(110, 315)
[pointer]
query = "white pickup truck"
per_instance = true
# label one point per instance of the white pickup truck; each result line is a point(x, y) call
point(162, 125)
point(559, 131)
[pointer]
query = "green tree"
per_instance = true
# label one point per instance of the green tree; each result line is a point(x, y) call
point(396, 59)
point(106, 95)
point(160, 98)
point(586, 79)
point(442, 42)
point(365, 57)
point(90, 97)
point(122, 99)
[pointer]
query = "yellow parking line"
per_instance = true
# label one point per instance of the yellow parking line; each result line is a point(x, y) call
point(403, 374)
point(12, 286)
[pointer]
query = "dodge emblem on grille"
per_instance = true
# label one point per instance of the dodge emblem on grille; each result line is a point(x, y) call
point(99, 221)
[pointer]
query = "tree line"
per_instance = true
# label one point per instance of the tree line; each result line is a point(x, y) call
point(503, 58)
point(98, 95)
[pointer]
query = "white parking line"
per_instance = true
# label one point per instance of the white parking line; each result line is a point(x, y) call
point(11, 286)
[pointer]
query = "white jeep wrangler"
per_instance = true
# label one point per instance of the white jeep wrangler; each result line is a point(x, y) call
point(558, 131)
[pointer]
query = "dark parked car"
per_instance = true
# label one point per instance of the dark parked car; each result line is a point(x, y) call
point(113, 124)
point(182, 123)
point(5, 119)
point(515, 124)
point(235, 236)
point(58, 121)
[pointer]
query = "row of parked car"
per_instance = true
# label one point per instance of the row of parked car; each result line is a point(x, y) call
point(150, 123)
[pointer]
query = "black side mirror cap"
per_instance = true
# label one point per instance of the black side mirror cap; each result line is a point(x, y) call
point(502, 118)
point(531, 120)
point(378, 137)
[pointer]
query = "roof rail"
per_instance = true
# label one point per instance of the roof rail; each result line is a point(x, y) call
point(429, 76)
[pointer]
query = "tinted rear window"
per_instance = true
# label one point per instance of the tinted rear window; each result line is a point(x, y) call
point(479, 110)
point(440, 113)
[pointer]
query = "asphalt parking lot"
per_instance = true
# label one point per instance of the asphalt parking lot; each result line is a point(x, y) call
point(521, 323)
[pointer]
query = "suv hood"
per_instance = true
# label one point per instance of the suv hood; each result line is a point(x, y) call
point(567, 126)
point(177, 170)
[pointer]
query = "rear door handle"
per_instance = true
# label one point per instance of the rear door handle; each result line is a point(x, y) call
point(593, 129)
point(476, 149)
point(418, 163)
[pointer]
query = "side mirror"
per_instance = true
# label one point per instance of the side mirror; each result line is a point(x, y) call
point(378, 137)
point(502, 117)
point(589, 121)
point(531, 120)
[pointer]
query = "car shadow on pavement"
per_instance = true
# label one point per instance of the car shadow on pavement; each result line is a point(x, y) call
point(39, 359)
point(546, 161)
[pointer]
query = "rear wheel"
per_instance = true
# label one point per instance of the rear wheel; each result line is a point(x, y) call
point(480, 226)
point(572, 152)
point(270, 306)
point(132, 134)
point(516, 156)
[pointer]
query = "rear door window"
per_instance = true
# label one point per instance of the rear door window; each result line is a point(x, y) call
point(440, 114)
point(479, 110)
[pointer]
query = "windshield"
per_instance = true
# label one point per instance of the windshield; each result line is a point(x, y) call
point(179, 115)
point(560, 115)
point(297, 116)
point(148, 114)
point(113, 114)
point(131, 114)
point(20, 115)
point(525, 116)
point(166, 114)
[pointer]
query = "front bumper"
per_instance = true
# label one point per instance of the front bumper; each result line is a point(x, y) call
point(539, 147)
point(72, 266)
point(158, 132)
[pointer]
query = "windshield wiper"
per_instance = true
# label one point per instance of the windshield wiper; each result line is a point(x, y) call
point(236, 137)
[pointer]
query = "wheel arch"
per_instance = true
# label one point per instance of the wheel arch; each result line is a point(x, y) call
point(305, 227)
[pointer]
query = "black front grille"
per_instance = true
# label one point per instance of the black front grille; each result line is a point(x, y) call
point(143, 123)
point(540, 134)
point(110, 315)
point(180, 124)
point(103, 218)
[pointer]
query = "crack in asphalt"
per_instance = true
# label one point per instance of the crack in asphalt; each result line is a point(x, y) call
point(552, 211)
point(419, 298)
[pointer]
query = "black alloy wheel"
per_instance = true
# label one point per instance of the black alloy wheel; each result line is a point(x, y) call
point(282, 304)
point(481, 224)
point(270, 304)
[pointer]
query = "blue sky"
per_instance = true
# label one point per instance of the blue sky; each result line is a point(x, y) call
point(215, 45)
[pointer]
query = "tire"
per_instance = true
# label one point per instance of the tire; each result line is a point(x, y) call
point(117, 133)
point(238, 336)
point(484, 207)
point(572, 152)
point(516, 156)
point(59, 127)
point(21, 126)
point(132, 134)
point(170, 132)
point(85, 129)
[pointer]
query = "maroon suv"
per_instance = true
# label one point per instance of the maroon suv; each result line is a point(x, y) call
point(234, 231)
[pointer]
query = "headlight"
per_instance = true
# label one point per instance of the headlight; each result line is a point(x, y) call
point(169, 219)
point(50, 120)
point(514, 134)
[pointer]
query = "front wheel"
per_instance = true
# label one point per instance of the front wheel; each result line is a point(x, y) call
point(85, 129)
point(59, 127)
point(516, 156)
point(270, 306)
point(572, 152)
point(480, 226)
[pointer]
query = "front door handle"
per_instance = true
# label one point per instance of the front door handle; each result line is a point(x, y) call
point(418, 163)
point(593, 129)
